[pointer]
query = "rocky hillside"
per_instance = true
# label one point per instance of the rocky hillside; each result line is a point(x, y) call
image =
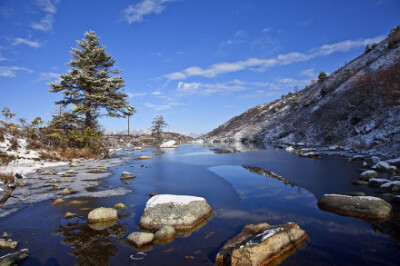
point(357, 107)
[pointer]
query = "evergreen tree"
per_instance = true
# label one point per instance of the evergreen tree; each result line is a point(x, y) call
point(156, 128)
point(91, 85)
point(322, 76)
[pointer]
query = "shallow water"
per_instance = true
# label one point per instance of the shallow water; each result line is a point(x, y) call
point(238, 197)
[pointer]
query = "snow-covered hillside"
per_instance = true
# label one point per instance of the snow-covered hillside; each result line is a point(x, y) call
point(343, 109)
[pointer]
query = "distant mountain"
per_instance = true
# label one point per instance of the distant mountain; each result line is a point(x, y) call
point(357, 106)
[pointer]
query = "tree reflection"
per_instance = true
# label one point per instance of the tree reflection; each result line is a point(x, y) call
point(91, 247)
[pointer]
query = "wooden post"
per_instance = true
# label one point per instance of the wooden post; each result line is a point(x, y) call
point(128, 125)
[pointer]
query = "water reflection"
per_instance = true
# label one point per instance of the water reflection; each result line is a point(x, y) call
point(91, 246)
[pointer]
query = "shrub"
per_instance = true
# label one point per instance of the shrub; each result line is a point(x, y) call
point(14, 144)
point(7, 177)
point(367, 49)
point(394, 38)
point(322, 76)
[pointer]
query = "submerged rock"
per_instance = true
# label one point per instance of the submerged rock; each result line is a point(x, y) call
point(178, 211)
point(359, 182)
point(120, 206)
point(364, 207)
point(260, 244)
point(8, 244)
point(144, 158)
point(99, 215)
point(14, 258)
point(127, 175)
point(141, 238)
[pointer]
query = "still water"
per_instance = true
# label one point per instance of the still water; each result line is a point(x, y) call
point(238, 197)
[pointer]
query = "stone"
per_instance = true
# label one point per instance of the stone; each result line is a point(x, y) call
point(14, 258)
point(77, 202)
point(376, 182)
point(178, 211)
point(52, 181)
point(388, 187)
point(103, 225)
point(374, 160)
point(152, 194)
point(67, 191)
point(141, 238)
point(102, 215)
point(127, 175)
point(367, 175)
point(58, 201)
point(311, 155)
point(261, 244)
point(96, 171)
point(69, 215)
point(137, 148)
point(289, 149)
point(164, 232)
point(73, 165)
point(55, 187)
point(120, 206)
point(169, 144)
point(384, 167)
point(359, 182)
point(144, 158)
point(364, 207)
point(21, 183)
point(8, 244)
point(395, 162)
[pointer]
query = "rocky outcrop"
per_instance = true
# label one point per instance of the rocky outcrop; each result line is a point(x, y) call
point(260, 244)
point(8, 244)
point(364, 207)
point(180, 212)
point(354, 106)
point(100, 215)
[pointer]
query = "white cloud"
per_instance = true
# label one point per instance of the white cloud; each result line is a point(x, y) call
point(49, 77)
point(49, 7)
point(293, 82)
point(138, 94)
point(160, 107)
point(308, 73)
point(2, 58)
point(45, 24)
point(156, 93)
point(18, 41)
point(257, 64)
point(11, 72)
point(135, 13)
point(188, 88)
point(259, 94)
point(184, 88)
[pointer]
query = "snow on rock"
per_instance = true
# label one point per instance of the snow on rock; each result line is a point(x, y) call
point(368, 174)
point(179, 211)
point(289, 149)
point(169, 144)
point(395, 162)
point(364, 207)
point(261, 244)
point(384, 166)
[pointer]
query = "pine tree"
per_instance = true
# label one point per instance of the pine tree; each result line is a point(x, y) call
point(91, 84)
point(156, 128)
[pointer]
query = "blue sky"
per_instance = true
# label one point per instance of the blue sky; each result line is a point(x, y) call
point(196, 62)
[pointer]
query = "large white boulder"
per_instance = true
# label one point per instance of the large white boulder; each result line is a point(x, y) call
point(179, 211)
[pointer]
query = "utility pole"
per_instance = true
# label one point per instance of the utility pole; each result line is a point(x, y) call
point(128, 125)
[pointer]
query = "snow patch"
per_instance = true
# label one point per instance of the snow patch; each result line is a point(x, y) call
point(174, 199)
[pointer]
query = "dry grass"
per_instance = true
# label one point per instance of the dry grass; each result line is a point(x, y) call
point(7, 177)
point(70, 153)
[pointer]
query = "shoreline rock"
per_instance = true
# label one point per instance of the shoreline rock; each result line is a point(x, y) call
point(363, 207)
point(102, 214)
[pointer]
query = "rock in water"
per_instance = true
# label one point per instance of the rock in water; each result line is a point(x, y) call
point(70, 215)
point(260, 244)
point(141, 238)
point(144, 158)
point(180, 212)
point(164, 232)
point(67, 191)
point(169, 144)
point(14, 258)
point(8, 244)
point(126, 175)
point(99, 215)
point(58, 201)
point(364, 207)
point(367, 175)
point(120, 206)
